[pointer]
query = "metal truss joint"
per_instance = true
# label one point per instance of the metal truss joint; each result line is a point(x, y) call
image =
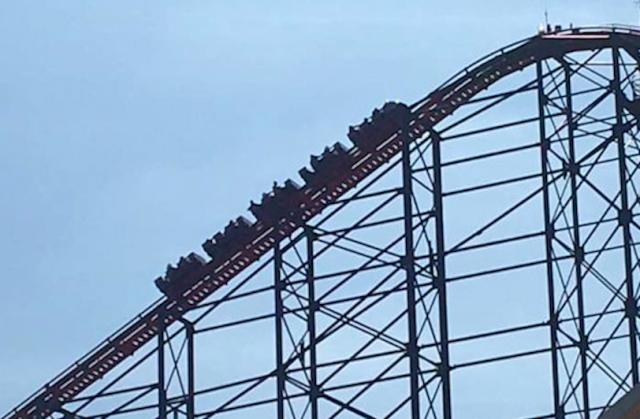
point(310, 232)
point(579, 254)
point(187, 324)
point(613, 85)
point(315, 306)
point(406, 261)
point(68, 415)
point(571, 168)
point(624, 217)
point(583, 342)
point(443, 369)
point(550, 231)
point(544, 100)
point(438, 282)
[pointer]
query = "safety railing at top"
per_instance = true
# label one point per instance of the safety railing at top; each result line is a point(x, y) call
point(469, 69)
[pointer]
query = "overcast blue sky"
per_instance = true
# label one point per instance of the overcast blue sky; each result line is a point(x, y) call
point(132, 130)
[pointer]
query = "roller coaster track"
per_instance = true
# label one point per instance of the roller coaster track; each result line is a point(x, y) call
point(426, 113)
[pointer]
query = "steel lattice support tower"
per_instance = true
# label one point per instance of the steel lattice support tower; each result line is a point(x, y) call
point(487, 266)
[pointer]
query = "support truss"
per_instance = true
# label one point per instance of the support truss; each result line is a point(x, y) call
point(491, 269)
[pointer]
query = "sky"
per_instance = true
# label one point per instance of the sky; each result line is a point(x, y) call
point(132, 131)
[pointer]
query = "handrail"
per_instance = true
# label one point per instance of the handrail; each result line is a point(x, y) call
point(153, 306)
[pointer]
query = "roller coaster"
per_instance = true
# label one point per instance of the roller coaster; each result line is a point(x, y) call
point(483, 234)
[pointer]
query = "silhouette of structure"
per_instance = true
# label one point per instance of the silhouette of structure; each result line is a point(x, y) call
point(481, 253)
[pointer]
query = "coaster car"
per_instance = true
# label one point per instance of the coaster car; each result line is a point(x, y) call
point(281, 202)
point(178, 278)
point(382, 124)
point(327, 167)
point(237, 232)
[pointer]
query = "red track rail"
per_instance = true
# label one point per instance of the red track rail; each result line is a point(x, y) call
point(426, 114)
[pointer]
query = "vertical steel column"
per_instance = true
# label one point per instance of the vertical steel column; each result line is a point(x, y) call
point(311, 324)
point(162, 393)
point(577, 247)
point(277, 289)
point(191, 370)
point(624, 219)
point(409, 266)
point(549, 232)
point(440, 279)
